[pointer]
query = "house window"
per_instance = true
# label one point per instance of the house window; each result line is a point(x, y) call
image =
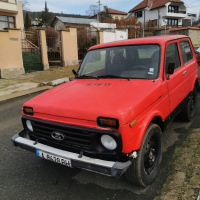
point(6, 22)
point(173, 9)
point(172, 22)
point(116, 17)
point(138, 14)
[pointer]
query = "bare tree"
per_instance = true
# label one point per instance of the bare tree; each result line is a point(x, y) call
point(25, 4)
point(93, 10)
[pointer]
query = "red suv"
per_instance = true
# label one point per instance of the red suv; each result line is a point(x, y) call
point(110, 119)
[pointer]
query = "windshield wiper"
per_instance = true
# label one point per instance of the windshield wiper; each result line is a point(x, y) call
point(85, 76)
point(112, 76)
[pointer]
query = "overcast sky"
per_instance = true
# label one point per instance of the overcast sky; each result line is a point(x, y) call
point(80, 6)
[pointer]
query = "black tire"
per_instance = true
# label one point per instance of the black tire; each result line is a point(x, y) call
point(144, 169)
point(188, 112)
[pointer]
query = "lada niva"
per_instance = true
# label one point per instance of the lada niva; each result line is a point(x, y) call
point(111, 117)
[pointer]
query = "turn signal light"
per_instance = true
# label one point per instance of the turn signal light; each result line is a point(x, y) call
point(133, 123)
point(108, 122)
point(28, 110)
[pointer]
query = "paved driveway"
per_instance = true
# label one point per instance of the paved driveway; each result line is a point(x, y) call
point(25, 176)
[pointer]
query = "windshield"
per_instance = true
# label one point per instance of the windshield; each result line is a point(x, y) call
point(138, 61)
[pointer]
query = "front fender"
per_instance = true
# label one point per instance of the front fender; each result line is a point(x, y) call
point(143, 125)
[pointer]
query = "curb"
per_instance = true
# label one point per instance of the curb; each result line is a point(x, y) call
point(40, 87)
point(22, 93)
point(198, 198)
point(56, 82)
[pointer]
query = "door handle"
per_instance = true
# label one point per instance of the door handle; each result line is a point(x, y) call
point(185, 72)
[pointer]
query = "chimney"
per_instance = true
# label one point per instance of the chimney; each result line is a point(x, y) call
point(105, 7)
point(150, 3)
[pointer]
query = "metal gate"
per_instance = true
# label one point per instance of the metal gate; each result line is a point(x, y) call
point(31, 51)
point(53, 39)
point(86, 39)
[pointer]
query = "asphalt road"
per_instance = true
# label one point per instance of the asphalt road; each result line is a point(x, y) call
point(23, 175)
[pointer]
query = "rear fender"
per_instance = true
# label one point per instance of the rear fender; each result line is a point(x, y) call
point(194, 82)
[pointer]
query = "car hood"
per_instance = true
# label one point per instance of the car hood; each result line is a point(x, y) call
point(88, 99)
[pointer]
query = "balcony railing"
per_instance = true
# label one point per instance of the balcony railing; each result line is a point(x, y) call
point(9, 1)
point(178, 12)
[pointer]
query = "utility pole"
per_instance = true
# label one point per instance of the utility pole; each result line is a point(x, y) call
point(98, 18)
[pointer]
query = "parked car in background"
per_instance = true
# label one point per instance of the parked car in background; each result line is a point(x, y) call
point(110, 119)
point(197, 49)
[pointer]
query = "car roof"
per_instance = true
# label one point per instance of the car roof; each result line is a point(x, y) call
point(145, 40)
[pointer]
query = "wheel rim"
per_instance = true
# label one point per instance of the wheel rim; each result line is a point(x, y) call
point(193, 104)
point(151, 155)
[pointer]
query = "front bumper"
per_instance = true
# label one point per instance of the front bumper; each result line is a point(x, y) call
point(109, 168)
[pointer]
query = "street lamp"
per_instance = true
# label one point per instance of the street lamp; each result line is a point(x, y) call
point(165, 25)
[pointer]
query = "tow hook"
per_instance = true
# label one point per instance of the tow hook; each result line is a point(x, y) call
point(133, 156)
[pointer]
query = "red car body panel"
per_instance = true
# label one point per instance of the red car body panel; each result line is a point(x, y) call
point(81, 101)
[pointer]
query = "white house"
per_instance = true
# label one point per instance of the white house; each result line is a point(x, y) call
point(161, 12)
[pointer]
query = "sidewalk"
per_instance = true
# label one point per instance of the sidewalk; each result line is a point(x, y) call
point(35, 81)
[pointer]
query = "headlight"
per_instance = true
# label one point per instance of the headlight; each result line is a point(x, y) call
point(29, 125)
point(108, 142)
point(108, 122)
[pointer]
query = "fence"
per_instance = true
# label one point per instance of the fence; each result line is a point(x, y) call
point(31, 50)
point(85, 38)
point(53, 40)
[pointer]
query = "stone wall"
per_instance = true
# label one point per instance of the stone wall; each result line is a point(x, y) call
point(195, 36)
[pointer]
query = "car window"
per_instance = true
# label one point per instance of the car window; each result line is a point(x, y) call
point(186, 51)
point(172, 55)
point(132, 61)
point(95, 61)
point(147, 53)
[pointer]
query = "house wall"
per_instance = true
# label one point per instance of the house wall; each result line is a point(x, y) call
point(153, 14)
point(118, 16)
point(59, 25)
point(10, 7)
point(19, 17)
point(11, 64)
point(19, 20)
point(111, 36)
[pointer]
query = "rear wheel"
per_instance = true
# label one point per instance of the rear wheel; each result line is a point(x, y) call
point(144, 168)
point(188, 112)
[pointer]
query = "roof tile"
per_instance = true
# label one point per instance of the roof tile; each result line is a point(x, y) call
point(113, 11)
point(152, 4)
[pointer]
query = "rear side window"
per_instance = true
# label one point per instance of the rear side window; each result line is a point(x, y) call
point(172, 56)
point(186, 51)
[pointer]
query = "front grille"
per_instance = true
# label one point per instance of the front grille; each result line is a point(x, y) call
point(73, 137)
point(77, 139)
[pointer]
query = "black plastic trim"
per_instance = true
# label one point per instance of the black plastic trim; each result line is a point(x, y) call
point(115, 172)
point(96, 151)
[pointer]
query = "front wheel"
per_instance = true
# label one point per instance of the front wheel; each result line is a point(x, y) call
point(144, 169)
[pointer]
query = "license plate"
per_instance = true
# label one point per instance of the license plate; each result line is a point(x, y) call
point(54, 158)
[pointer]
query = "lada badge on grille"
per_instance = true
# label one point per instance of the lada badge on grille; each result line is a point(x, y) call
point(57, 136)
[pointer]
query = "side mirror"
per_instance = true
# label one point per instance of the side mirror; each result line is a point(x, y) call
point(170, 69)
